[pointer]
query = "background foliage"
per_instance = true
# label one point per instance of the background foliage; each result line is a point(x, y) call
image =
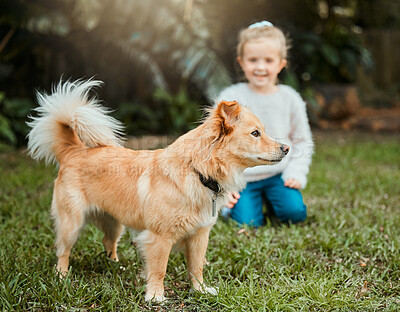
point(143, 49)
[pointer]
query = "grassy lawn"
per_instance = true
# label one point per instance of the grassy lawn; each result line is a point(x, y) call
point(345, 257)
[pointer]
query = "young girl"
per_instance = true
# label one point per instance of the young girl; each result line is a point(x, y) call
point(262, 53)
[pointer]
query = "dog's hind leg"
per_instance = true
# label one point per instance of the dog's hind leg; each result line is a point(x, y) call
point(68, 213)
point(195, 251)
point(112, 232)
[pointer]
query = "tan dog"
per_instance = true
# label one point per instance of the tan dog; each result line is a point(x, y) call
point(168, 195)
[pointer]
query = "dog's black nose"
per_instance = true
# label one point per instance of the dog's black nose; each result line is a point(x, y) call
point(285, 149)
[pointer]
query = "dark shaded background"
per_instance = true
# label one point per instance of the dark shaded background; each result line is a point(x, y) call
point(162, 61)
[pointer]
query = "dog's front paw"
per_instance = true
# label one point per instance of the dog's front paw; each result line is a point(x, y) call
point(208, 290)
point(154, 298)
point(112, 257)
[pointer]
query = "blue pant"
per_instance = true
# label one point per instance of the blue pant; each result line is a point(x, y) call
point(286, 203)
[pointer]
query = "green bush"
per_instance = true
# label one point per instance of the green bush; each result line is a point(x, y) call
point(13, 114)
point(138, 117)
point(330, 57)
point(182, 113)
point(165, 113)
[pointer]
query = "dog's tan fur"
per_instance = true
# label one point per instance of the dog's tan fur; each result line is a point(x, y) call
point(158, 192)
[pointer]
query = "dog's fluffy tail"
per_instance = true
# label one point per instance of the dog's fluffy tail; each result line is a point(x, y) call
point(67, 118)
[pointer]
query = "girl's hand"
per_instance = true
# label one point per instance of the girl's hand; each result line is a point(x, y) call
point(233, 199)
point(292, 183)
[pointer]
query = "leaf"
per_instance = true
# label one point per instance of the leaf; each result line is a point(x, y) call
point(363, 290)
point(49, 23)
point(291, 79)
point(330, 54)
point(366, 59)
point(17, 107)
point(142, 58)
point(6, 130)
point(243, 231)
point(307, 48)
point(349, 61)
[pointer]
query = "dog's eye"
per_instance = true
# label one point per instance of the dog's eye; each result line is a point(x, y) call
point(256, 133)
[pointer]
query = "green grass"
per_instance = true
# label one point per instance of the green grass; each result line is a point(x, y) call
point(351, 236)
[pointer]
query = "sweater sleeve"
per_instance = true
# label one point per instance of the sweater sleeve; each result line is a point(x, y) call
point(302, 143)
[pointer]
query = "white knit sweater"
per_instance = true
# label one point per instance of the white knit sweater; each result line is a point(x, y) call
point(284, 116)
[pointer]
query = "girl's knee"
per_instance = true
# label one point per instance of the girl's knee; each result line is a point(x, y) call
point(299, 214)
point(294, 213)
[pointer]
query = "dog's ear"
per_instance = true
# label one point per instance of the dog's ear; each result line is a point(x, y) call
point(229, 113)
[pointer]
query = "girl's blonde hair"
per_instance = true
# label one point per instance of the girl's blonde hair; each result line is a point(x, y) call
point(272, 32)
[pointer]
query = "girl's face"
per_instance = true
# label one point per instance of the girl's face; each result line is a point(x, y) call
point(261, 63)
